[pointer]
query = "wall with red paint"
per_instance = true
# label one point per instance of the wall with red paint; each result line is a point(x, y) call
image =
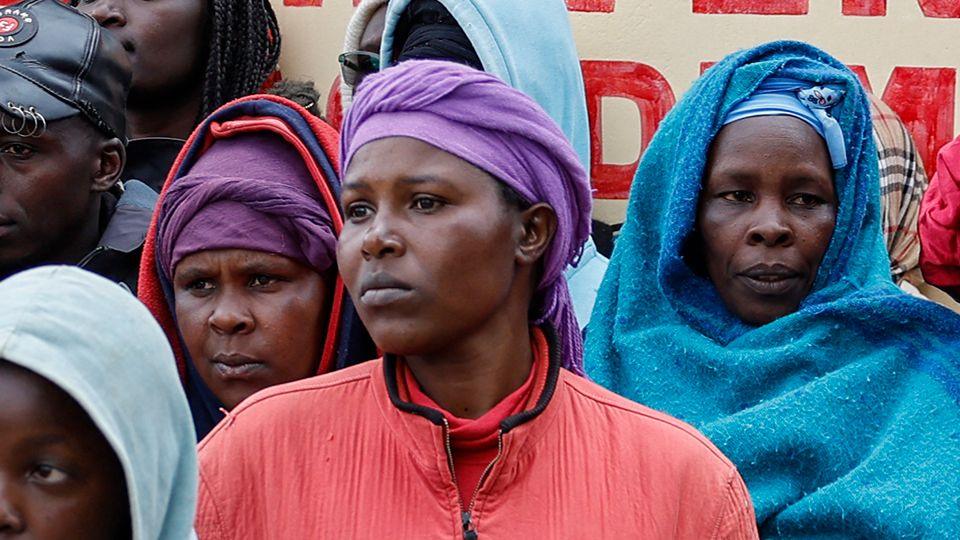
point(639, 56)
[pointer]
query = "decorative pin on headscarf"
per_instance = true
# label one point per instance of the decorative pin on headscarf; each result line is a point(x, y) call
point(782, 96)
point(820, 99)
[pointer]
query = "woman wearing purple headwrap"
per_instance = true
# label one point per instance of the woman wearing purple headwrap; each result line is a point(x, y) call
point(241, 269)
point(463, 204)
point(535, 165)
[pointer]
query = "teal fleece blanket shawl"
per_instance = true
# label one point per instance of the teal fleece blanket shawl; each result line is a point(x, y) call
point(843, 417)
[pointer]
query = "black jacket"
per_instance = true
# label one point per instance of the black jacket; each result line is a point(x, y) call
point(126, 220)
point(150, 159)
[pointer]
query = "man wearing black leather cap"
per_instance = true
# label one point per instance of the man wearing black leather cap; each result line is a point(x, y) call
point(63, 91)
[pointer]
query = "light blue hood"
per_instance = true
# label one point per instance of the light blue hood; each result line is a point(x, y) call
point(95, 341)
point(529, 44)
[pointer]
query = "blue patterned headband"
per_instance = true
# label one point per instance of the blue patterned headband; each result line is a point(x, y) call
point(780, 96)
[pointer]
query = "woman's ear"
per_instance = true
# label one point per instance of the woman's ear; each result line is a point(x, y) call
point(113, 155)
point(539, 224)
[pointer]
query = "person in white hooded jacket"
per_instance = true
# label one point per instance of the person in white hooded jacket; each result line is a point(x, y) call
point(96, 440)
point(364, 35)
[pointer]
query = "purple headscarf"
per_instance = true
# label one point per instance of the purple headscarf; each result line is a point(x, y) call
point(480, 119)
point(251, 191)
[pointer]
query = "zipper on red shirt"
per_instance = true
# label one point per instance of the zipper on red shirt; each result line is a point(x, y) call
point(466, 515)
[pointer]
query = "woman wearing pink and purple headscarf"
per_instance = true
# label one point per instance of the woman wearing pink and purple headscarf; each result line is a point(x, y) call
point(240, 263)
point(463, 202)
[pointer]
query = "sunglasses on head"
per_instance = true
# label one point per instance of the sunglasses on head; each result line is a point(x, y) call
point(355, 65)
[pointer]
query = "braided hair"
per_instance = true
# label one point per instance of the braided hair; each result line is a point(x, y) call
point(243, 51)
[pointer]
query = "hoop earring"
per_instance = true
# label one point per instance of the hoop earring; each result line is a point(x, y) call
point(3, 123)
point(39, 123)
point(30, 119)
point(13, 130)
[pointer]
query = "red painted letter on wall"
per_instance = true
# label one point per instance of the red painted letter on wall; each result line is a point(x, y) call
point(603, 6)
point(865, 8)
point(861, 73)
point(756, 7)
point(334, 114)
point(941, 9)
point(639, 83)
point(924, 98)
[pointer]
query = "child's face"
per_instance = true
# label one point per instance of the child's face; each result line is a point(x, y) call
point(59, 478)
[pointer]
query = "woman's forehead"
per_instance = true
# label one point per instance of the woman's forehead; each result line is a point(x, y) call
point(30, 396)
point(759, 127)
point(768, 138)
point(398, 161)
point(236, 259)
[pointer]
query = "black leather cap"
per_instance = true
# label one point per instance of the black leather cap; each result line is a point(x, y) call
point(55, 63)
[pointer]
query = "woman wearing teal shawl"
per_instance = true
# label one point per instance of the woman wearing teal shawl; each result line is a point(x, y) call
point(841, 413)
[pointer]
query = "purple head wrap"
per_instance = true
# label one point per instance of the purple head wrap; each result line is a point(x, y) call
point(251, 191)
point(480, 119)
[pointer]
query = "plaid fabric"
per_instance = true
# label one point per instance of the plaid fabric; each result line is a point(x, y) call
point(902, 184)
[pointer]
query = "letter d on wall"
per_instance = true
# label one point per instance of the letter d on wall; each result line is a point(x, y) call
point(639, 83)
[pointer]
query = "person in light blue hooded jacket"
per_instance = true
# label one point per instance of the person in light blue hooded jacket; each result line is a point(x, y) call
point(96, 439)
point(530, 46)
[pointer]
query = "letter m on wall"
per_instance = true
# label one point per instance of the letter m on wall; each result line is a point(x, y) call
point(944, 9)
